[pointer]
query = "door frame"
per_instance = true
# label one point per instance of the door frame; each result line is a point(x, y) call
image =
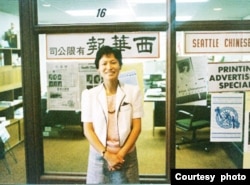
point(30, 31)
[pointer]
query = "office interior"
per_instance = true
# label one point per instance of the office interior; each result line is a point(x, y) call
point(38, 134)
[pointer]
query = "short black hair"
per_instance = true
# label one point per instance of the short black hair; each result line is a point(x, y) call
point(107, 50)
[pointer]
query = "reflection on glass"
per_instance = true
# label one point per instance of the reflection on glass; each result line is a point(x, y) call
point(10, 32)
point(196, 10)
point(12, 151)
point(107, 11)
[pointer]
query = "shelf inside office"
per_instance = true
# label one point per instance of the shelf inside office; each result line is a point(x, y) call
point(16, 131)
point(8, 54)
point(8, 104)
point(10, 78)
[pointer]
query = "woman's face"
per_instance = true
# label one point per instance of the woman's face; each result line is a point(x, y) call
point(109, 67)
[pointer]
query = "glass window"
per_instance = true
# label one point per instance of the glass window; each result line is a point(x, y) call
point(55, 132)
point(193, 96)
point(61, 79)
point(107, 11)
point(196, 10)
point(9, 32)
point(12, 151)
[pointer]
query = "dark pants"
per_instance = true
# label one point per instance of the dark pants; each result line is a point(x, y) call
point(2, 150)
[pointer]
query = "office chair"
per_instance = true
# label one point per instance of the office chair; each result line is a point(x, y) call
point(192, 118)
point(5, 147)
point(2, 156)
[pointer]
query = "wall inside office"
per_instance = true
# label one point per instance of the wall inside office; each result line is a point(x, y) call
point(246, 160)
point(5, 21)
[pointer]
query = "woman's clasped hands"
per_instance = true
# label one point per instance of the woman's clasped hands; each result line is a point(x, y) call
point(115, 161)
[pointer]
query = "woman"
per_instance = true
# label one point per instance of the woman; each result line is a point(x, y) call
point(111, 113)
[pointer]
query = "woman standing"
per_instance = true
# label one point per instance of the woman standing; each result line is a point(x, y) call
point(111, 113)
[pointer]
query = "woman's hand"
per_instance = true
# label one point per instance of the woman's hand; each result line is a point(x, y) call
point(115, 162)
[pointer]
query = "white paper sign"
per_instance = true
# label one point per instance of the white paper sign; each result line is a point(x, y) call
point(84, 46)
point(191, 81)
point(228, 76)
point(226, 117)
point(129, 77)
point(217, 42)
point(62, 90)
point(247, 124)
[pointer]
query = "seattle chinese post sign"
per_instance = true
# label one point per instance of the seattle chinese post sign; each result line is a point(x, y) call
point(84, 46)
point(217, 42)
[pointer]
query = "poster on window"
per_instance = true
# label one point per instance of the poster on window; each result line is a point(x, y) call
point(62, 86)
point(228, 76)
point(226, 117)
point(247, 124)
point(66, 81)
point(128, 77)
point(89, 77)
point(191, 80)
